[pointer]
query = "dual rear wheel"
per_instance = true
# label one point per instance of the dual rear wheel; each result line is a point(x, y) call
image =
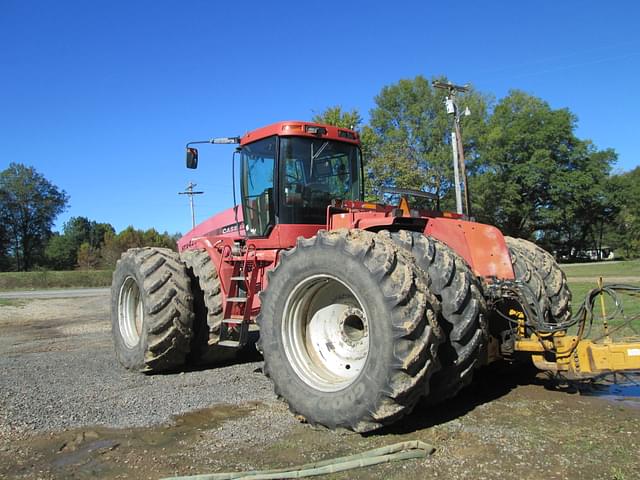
point(539, 271)
point(356, 327)
point(165, 310)
point(349, 330)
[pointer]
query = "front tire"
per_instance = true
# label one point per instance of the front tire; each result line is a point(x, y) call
point(348, 330)
point(151, 310)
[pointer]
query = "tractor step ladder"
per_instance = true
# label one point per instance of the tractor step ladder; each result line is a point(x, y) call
point(234, 330)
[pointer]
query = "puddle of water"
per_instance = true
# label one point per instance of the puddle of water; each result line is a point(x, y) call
point(83, 451)
point(627, 392)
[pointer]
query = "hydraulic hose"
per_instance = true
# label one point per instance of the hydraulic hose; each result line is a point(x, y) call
point(390, 453)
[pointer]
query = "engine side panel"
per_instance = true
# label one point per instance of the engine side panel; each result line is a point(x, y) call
point(224, 224)
point(482, 246)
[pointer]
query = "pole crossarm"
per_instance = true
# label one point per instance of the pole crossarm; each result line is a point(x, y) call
point(190, 192)
point(450, 86)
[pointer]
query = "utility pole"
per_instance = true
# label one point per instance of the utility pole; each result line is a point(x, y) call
point(189, 191)
point(459, 169)
point(456, 171)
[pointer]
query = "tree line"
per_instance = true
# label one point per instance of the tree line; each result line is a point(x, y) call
point(529, 174)
point(29, 205)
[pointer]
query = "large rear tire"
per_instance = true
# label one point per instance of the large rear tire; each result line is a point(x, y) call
point(348, 330)
point(151, 310)
point(463, 312)
point(553, 290)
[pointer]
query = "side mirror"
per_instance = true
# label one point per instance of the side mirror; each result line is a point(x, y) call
point(192, 157)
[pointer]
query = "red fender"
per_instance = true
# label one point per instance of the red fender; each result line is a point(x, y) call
point(482, 246)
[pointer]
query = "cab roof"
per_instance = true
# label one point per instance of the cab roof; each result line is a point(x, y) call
point(299, 128)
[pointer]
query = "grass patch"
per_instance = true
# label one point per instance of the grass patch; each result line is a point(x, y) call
point(630, 305)
point(627, 268)
point(12, 302)
point(579, 291)
point(50, 279)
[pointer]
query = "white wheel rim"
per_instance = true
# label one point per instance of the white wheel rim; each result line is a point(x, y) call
point(325, 333)
point(130, 312)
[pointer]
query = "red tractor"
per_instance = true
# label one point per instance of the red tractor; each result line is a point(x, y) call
point(362, 308)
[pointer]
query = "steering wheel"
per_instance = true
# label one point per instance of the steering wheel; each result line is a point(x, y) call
point(318, 187)
point(292, 178)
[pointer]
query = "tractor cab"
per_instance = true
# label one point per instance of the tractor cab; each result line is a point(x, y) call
point(290, 172)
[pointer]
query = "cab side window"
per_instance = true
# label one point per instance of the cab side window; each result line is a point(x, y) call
point(257, 170)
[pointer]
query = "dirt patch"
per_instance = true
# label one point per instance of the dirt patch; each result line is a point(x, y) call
point(107, 452)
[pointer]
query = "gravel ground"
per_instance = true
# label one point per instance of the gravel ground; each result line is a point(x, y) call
point(60, 373)
point(68, 410)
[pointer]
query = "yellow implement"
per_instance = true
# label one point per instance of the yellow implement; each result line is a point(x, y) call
point(575, 356)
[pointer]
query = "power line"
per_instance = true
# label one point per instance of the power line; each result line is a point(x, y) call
point(189, 191)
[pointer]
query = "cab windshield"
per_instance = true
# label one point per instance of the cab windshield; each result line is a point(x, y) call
point(312, 173)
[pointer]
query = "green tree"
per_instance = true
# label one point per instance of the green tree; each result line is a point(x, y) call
point(411, 137)
point(581, 205)
point(29, 204)
point(88, 257)
point(98, 232)
point(536, 178)
point(111, 250)
point(623, 233)
point(5, 260)
point(62, 250)
point(338, 117)
point(114, 245)
point(81, 230)
point(352, 120)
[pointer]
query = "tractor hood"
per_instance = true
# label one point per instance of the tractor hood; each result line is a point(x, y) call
point(225, 224)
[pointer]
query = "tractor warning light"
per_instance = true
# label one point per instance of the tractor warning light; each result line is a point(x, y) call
point(315, 130)
point(346, 134)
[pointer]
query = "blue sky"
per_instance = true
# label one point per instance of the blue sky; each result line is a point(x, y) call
point(101, 96)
